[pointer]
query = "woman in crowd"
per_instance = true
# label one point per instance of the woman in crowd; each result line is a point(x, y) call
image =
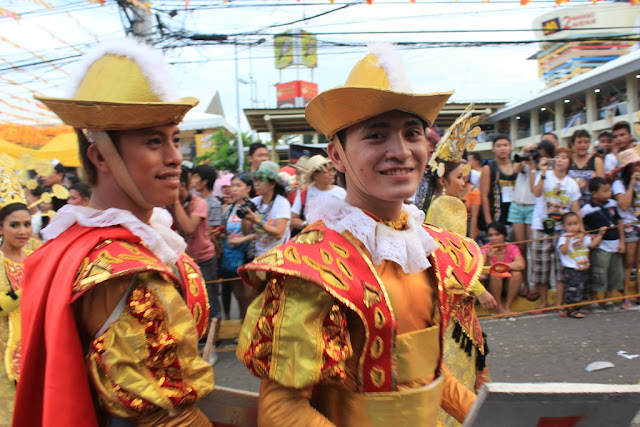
point(270, 221)
point(318, 180)
point(496, 251)
point(473, 202)
point(15, 229)
point(626, 191)
point(583, 165)
point(235, 248)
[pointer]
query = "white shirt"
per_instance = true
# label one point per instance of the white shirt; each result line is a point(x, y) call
point(630, 215)
point(610, 163)
point(279, 209)
point(576, 258)
point(312, 192)
point(556, 199)
point(474, 177)
point(522, 192)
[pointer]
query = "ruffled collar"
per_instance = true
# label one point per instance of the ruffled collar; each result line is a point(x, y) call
point(408, 248)
point(165, 243)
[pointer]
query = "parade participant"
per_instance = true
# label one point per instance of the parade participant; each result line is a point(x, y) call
point(449, 212)
point(112, 308)
point(326, 316)
point(15, 229)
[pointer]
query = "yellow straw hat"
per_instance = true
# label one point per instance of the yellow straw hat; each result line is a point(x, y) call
point(377, 84)
point(120, 85)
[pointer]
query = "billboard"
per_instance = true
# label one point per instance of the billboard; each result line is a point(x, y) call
point(295, 94)
point(295, 47)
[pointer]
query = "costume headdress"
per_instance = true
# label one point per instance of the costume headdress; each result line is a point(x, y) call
point(455, 141)
point(10, 188)
point(377, 84)
point(120, 85)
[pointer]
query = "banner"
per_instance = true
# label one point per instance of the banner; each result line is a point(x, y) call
point(283, 45)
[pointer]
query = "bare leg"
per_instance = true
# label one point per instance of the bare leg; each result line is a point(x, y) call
point(542, 290)
point(560, 292)
point(629, 263)
point(244, 294)
point(495, 288)
point(513, 286)
point(520, 232)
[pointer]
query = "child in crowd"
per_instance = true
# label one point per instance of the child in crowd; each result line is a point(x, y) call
point(607, 271)
point(496, 251)
point(573, 248)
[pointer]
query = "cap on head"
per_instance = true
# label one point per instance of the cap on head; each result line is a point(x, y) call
point(377, 84)
point(120, 85)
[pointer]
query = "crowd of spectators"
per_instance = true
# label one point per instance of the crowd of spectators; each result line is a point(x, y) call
point(572, 215)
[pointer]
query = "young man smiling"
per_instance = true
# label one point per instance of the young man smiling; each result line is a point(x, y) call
point(112, 309)
point(325, 322)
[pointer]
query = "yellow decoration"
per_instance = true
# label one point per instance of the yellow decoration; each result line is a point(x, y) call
point(449, 213)
point(46, 197)
point(10, 188)
point(60, 191)
point(43, 168)
point(6, 161)
point(26, 161)
point(32, 184)
point(466, 170)
point(454, 142)
point(371, 90)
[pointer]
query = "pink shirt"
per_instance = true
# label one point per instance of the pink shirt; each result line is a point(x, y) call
point(199, 246)
point(510, 253)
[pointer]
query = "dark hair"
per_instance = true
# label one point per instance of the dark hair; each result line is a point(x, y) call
point(246, 178)
point(605, 134)
point(255, 146)
point(11, 208)
point(448, 168)
point(83, 189)
point(596, 182)
point(499, 227)
point(184, 176)
point(568, 215)
point(476, 156)
point(547, 146)
point(498, 137)
point(207, 173)
point(580, 133)
point(552, 134)
point(83, 146)
point(621, 125)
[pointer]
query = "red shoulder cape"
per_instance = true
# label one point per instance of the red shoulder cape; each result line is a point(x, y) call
point(54, 389)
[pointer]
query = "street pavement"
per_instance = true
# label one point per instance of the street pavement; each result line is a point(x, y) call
point(543, 348)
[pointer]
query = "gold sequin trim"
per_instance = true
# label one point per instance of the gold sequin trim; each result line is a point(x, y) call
point(340, 250)
point(310, 237)
point(379, 320)
point(291, 253)
point(377, 376)
point(342, 266)
point(371, 295)
point(326, 273)
point(326, 257)
point(377, 347)
point(273, 257)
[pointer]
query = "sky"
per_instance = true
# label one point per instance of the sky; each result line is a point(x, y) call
point(478, 73)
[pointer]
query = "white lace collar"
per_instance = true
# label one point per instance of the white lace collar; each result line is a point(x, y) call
point(165, 243)
point(407, 248)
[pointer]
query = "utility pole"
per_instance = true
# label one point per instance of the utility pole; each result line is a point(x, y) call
point(140, 22)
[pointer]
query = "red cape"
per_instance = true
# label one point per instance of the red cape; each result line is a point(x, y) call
point(54, 388)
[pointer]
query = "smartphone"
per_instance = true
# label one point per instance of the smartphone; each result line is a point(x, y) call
point(551, 163)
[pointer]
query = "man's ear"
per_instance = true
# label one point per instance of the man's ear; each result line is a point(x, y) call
point(96, 159)
point(335, 156)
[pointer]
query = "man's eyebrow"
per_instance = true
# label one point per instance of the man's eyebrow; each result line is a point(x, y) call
point(412, 122)
point(378, 124)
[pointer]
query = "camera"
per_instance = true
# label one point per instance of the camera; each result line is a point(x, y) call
point(551, 163)
point(246, 206)
point(600, 149)
point(529, 155)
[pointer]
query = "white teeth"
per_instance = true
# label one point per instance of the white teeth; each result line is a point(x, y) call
point(397, 172)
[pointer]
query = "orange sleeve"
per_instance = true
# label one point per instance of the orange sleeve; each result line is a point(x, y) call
point(287, 406)
point(456, 398)
point(474, 198)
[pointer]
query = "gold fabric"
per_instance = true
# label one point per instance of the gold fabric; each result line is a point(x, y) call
point(449, 213)
point(459, 364)
point(417, 355)
point(413, 407)
point(10, 331)
point(120, 364)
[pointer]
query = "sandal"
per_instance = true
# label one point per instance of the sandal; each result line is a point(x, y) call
point(575, 314)
point(563, 313)
point(533, 296)
point(524, 291)
point(626, 304)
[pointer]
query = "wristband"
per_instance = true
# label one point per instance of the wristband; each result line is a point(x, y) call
point(543, 177)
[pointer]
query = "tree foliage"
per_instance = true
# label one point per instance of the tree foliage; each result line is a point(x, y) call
point(223, 154)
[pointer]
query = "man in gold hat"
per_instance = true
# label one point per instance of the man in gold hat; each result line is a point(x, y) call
point(347, 328)
point(112, 308)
